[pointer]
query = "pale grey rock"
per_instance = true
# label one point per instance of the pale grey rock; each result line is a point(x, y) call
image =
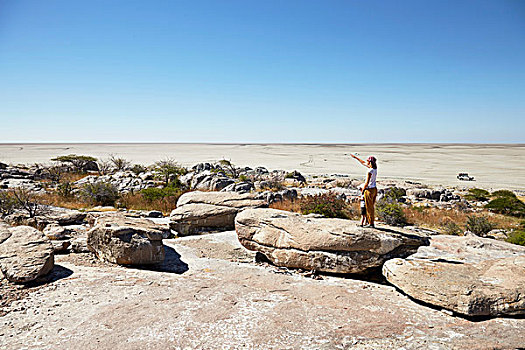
point(321, 244)
point(126, 241)
point(470, 275)
point(60, 246)
point(25, 255)
point(204, 211)
point(79, 245)
point(56, 232)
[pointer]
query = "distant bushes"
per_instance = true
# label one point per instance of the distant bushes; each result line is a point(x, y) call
point(327, 204)
point(507, 203)
point(99, 193)
point(477, 194)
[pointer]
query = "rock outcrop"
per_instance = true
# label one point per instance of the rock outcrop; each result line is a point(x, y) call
point(472, 276)
point(25, 253)
point(204, 211)
point(321, 244)
point(127, 241)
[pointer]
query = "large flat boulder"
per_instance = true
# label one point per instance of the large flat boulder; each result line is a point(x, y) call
point(25, 253)
point(470, 275)
point(127, 241)
point(204, 211)
point(321, 244)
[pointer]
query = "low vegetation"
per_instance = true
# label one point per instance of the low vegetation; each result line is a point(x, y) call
point(99, 193)
point(77, 163)
point(517, 236)
point(506, 202)
point(477, 194)
point(479, 225)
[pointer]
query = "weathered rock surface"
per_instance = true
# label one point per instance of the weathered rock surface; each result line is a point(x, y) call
point(321, 244)
point(201, 211)
point(127, 241)
point(470, 275)
point(220, 303)
point(25, 253)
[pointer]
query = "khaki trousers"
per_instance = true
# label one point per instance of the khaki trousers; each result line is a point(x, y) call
point(370, 201)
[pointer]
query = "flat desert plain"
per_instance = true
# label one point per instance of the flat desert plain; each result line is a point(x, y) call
point(494, 166)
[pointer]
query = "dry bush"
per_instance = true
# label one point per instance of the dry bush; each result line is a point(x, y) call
point(288, 205)
point(299, 205)
point(137, 201)
point(437, 219)
point(55, 199)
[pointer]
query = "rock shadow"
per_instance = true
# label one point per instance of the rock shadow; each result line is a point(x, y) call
point(59, 272)
point(172, 263)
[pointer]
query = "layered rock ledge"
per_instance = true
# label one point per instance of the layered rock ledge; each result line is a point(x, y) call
point(203, 211)
point(321, 244)
point(472, 276)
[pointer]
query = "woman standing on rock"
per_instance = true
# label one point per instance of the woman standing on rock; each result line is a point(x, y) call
point(369, 189)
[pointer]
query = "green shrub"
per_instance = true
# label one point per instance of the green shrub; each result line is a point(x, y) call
point(326, 204)
point(394, 193)
point(506, 202)
point(391, 212)
point(138, 168)
point(99, 193)
point(451, 228)
point(154, 193)
point(65, 189)
point(517, 237)
point(479, 225)
point(8, 203)
point(503, 193)
point(477, 194)
point(243, 178)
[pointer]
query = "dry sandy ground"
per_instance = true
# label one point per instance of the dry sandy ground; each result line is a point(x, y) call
point(493, 166)
point(212, 296)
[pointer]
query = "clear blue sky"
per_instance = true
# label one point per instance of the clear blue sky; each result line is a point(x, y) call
point(262, 71)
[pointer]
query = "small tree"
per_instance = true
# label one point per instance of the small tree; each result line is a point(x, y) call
point(119, 164)
point(104, 167)
point(168, 170)
point(27, 201)
point(230, 169)
point(78, 163)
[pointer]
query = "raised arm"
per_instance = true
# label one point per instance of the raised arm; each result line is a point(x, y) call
point(360, 160)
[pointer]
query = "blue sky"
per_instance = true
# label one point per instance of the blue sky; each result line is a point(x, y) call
point(262, 71)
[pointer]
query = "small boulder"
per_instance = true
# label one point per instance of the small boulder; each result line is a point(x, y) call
point(25, 253)
point(126, 241)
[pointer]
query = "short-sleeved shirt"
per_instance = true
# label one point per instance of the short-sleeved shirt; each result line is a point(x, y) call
point(373, 175)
